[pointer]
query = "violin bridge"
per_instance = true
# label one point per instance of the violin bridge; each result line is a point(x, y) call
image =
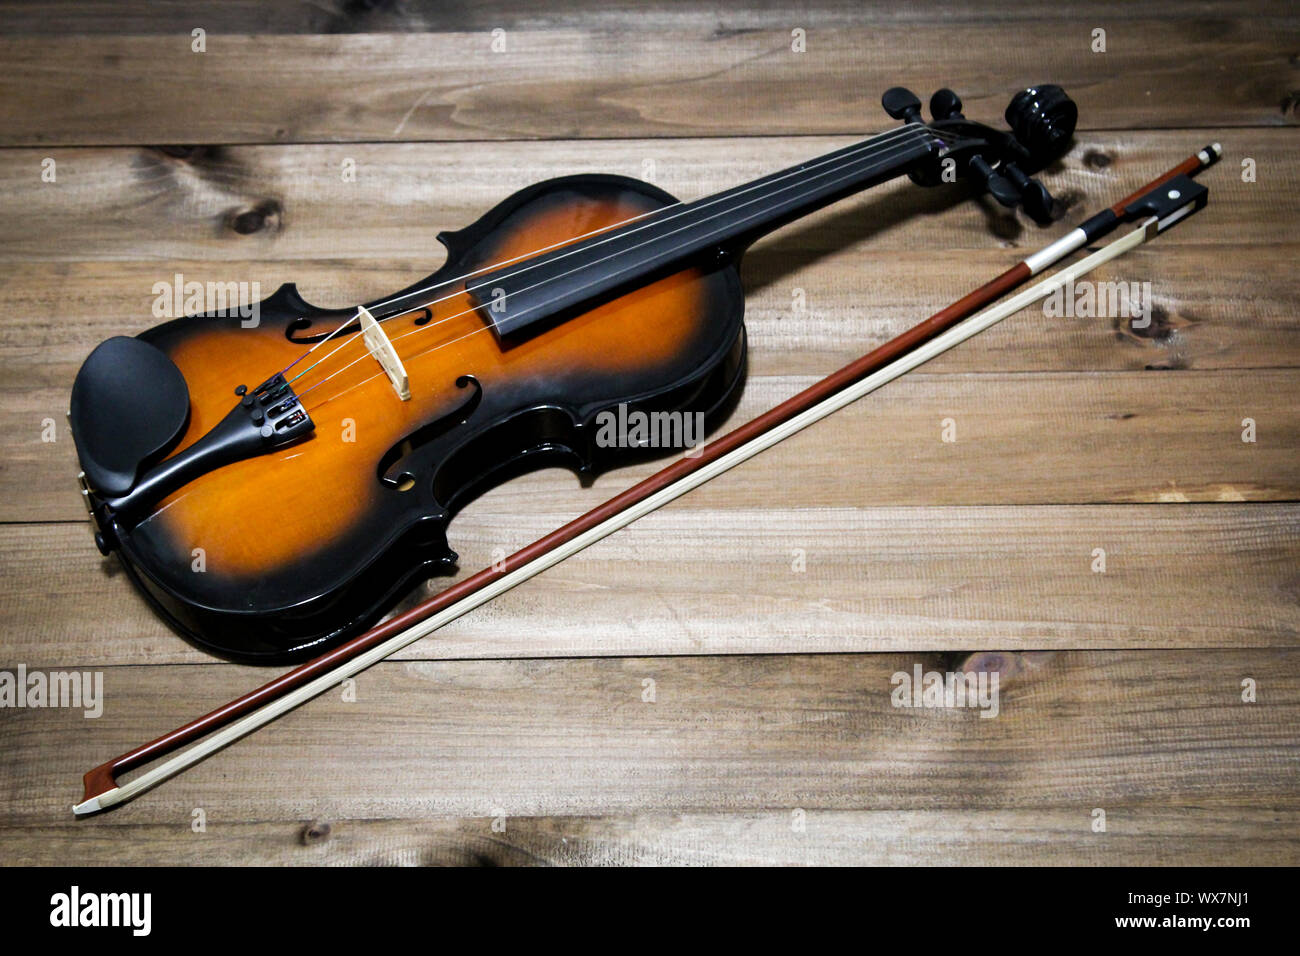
point(372, 333)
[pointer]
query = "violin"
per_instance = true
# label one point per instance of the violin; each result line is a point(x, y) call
point(314, 457)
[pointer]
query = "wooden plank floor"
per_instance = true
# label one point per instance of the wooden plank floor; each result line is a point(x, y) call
point(771, 609)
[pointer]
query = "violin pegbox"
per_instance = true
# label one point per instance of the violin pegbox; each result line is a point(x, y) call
point(1042, 120)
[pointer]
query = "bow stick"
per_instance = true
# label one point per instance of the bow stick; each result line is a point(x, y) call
point(1159, 204)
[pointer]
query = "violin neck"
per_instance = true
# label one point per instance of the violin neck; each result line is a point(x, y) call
point(681, 235)
point(751, 210)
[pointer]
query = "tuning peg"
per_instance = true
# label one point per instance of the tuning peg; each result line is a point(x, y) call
point(901, 103)
point(945, 104)
point(1035, 198)
point(1000, 187)
point(1042, 119)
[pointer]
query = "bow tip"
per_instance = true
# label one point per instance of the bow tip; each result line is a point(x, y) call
point(93, 805)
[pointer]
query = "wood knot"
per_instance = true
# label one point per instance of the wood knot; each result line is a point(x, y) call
point(1158, 329)
point(318, 831)
point(1096, 159)
point(263, 217)
point(1291, 103)
point(1066, 200)
point(189, 154)
point(1009, 665)
point(1001, 662)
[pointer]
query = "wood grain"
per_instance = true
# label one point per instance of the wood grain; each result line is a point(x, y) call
point(663, 80)
point(1135, 836)
point(275, 203)
point(683, 581)
point(130, 17)
point(1155, 731)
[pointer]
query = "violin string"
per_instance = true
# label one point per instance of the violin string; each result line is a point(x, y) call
point(459, 338)
point(527, 288)
point(879, 140)
point(362, 357)
point(469, 275)
point(913, 133)
point(873, 144)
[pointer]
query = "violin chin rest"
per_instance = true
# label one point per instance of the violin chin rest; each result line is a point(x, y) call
point(129, 407)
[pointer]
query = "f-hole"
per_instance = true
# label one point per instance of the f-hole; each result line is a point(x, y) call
point(403, 480)
point(296, 331)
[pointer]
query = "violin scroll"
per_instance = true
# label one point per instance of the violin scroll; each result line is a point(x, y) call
point(1042, 119)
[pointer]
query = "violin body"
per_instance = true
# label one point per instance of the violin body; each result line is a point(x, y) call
point(268, 522)
point(278, 556)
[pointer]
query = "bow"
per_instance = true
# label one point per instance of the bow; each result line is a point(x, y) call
point(1159, 204)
